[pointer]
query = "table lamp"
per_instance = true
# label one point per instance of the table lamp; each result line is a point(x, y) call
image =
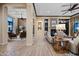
point(60, 27)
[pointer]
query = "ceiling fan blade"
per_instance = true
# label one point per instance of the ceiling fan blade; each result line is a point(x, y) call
point(76, 8)
point(73, 6)
point(65, 12)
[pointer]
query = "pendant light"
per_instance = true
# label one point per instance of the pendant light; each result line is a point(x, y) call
point(21, 15)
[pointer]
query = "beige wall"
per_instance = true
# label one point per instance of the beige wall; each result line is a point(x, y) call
point(3, 25)
point(3, 21)
point(39, 34)
point(15, 25)
point(49, 27)
point(29, 24)
point(22, 22)
point(0, 24)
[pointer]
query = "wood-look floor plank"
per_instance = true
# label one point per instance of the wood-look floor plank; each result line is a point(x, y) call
point(18, 48)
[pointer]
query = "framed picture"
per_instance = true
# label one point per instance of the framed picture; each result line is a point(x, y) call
point(53, 22)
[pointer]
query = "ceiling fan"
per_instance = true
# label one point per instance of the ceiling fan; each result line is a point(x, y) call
point(72, 7)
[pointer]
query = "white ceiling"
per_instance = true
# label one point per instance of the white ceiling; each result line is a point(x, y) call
point(53, 9)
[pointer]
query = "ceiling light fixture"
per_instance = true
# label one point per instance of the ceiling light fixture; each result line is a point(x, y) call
point(21, 15)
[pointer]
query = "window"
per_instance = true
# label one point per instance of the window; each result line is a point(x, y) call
point(46, 24)
point(10, 24)
point(76, 25)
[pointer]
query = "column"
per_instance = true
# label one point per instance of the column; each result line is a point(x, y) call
point(29, 25)
point(3, 25)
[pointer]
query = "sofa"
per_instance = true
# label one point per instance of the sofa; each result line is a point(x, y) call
point(23, 34)
point(74, 42)
point(12, 35)
point(74, 45)
point(49, 38)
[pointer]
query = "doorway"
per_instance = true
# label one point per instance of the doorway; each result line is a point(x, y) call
point(21, 27)
point(17, 22)
point(39, 30)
